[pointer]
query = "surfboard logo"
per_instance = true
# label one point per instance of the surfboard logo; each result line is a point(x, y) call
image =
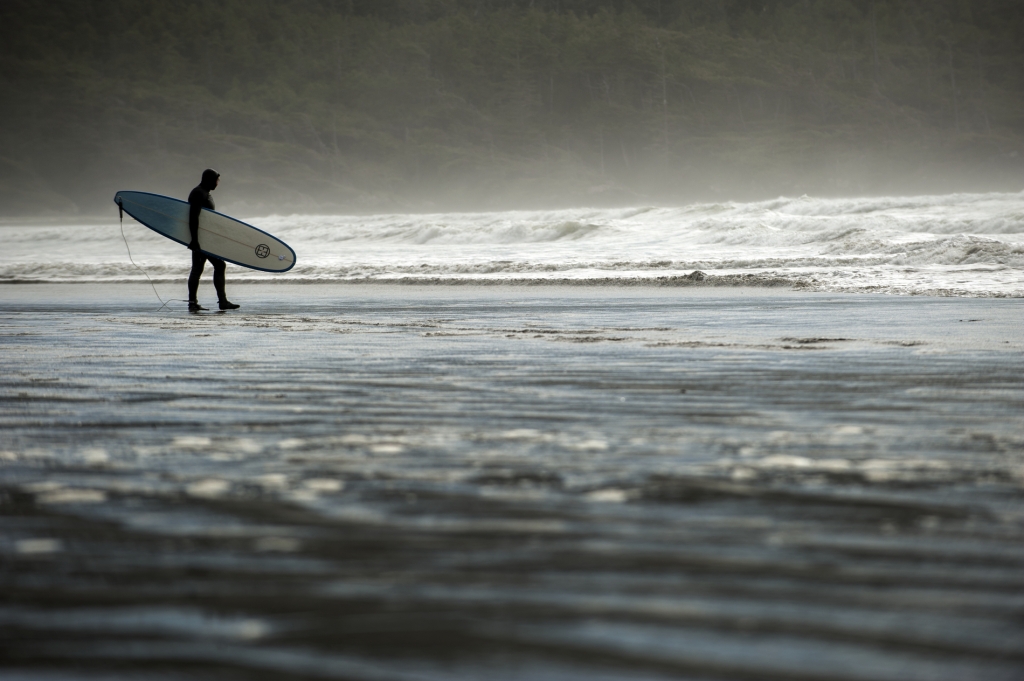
point(262, 251)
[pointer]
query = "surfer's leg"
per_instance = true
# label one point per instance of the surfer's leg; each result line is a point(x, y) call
point(218, 283)
point(218, 277)
point(198, 263)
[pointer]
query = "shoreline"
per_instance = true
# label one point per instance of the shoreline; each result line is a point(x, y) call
point(744, 282)
point(697, 278)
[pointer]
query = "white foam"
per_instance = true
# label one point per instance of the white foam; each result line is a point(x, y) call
point(323, 484)
point(614, 496)
point(970, 244)
point(191, 442)
point(35, 547)
point(209, 488)
point(72, 496)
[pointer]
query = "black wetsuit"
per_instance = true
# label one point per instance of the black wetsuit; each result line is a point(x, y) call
point(197, 200)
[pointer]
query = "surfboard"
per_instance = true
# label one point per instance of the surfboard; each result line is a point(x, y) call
point(220, 235)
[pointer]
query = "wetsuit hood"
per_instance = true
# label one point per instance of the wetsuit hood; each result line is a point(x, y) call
point(209, 182)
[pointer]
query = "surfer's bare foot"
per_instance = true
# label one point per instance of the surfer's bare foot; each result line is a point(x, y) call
point(228, 305)
point(195, 307)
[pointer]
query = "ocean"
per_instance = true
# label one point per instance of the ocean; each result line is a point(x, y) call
point(524, 445)
point(960, 245)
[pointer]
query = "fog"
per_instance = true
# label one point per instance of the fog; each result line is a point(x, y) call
point(405, 105)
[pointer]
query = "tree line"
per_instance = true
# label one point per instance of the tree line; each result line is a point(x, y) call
point(409, 104)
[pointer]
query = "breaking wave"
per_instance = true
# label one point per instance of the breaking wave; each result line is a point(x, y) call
point(959, 244)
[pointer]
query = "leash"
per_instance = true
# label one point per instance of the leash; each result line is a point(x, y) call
point(120, 215)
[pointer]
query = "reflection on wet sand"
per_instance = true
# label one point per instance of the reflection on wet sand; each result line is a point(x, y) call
point(447, 483)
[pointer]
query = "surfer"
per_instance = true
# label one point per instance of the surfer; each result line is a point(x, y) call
point(197, 201)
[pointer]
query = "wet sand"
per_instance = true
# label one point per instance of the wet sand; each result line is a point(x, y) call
point(458, 482)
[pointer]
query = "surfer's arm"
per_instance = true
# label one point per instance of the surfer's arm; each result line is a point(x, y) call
point(193, 224)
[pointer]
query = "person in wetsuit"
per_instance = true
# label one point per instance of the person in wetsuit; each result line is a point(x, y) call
point(197, 201)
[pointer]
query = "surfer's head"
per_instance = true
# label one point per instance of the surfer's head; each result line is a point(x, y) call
point(210, 179)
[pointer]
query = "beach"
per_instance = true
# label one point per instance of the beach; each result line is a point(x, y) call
point(533, 341)
point(399, 481)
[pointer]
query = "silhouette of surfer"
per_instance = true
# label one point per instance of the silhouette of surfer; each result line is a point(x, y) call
point(197, 200)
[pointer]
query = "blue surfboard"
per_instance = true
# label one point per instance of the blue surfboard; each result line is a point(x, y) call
point(221, 236)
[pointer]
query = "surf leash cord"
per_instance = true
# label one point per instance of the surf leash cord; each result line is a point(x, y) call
point(120, 215)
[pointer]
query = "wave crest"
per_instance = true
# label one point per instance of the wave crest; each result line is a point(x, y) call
point(852, 243)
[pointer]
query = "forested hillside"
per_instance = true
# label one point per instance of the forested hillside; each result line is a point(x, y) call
point(417, 104)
